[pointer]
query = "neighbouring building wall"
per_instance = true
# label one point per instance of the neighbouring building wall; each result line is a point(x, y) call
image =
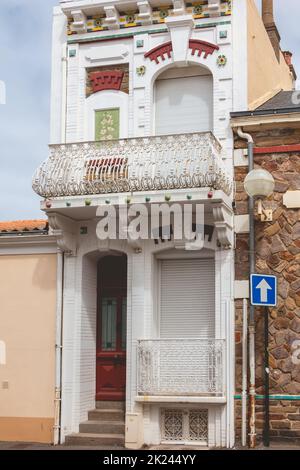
point(277, 253)
point(27, 329)
point(266, 76)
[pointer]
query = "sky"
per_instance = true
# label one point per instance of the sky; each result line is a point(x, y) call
point(25, 68)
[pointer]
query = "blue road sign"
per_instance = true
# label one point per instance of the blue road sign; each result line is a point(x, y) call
point(263, 290)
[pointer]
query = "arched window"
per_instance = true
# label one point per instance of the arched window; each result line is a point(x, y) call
point(183, 101)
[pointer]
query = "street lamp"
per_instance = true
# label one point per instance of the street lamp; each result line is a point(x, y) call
point(260, 183)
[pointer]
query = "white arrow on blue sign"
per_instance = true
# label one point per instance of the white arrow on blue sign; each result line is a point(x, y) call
point(263, 290)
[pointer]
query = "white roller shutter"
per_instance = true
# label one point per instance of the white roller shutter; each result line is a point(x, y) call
point(184, 104)
point(187, 298)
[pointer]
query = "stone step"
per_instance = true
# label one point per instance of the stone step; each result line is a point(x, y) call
point(106, 415)
point(116, 405)
point(105, 427)
point(92, 439)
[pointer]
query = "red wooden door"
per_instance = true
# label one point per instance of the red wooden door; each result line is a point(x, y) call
point(111, 330)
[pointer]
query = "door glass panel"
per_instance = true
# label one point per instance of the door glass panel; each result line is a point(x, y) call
point(124, 323)
point(109, 324)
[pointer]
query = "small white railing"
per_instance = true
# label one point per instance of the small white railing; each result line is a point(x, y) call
point(182, 367)
point(128, 165)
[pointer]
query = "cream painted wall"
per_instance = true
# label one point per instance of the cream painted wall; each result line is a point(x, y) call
point(266, 76)
point(27, 326)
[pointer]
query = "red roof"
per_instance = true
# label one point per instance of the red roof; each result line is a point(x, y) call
point(23, 226)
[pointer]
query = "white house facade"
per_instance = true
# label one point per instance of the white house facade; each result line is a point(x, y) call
point(141, 98)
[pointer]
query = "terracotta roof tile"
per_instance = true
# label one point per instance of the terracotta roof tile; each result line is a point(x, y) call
point(23, 226)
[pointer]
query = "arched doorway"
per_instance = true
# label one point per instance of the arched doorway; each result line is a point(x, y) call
point(183, 101)
point(111, 328)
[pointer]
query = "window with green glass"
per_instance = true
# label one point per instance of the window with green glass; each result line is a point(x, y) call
point(107, 124)
point(109, 324)
point(124, 323)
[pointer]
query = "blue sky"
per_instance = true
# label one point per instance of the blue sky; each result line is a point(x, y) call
point(25, 54)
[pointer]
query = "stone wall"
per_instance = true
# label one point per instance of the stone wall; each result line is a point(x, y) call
point(278, 253)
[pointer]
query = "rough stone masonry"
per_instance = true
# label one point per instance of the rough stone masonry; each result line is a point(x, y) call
point(277, 253)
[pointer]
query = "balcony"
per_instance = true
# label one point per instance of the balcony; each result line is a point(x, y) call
point(129, 165)
point(181, 367)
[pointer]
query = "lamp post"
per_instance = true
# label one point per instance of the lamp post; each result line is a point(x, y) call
point(258, 183)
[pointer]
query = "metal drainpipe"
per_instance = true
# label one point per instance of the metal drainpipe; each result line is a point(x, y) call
point(252, 434)
point(245, 375)
point(58, 347)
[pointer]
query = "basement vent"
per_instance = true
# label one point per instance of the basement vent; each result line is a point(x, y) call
point(184, 425)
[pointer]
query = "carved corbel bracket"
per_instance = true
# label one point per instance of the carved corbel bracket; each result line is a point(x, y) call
point(180, 28)
point(133, 243)
point(145, 12)
point(214, 8)
point(112, 17)
point(223, 221)
point(179, 7)
point(64, 229)
point(79, 24)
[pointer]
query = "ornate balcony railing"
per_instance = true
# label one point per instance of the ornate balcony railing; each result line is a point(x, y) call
point(138, 164)
point(182, 367)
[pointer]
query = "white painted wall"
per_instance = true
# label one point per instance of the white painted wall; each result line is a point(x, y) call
point(79, 342)
point(137, 119)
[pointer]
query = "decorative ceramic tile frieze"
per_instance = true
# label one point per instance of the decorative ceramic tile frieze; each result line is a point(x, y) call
point(141, 71)
point(107, 123)
point(221, 60)
point(142, 16)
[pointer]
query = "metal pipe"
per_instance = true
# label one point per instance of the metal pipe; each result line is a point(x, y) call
point(244, 372)
point(267, 381)
point(252, 434)
point(58, 347)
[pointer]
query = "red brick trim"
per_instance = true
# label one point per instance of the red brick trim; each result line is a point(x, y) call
point(160, 51)
point(202, 46)
point(106, 80)
point(277, 149)
point(195, 44)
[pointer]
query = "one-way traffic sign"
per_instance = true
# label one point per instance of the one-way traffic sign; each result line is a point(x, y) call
point(263, 290)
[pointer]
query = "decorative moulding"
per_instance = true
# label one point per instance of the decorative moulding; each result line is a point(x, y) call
point(179, 7)
point(196, 45)
point(180, 28)
point(79, 24)
point(112, 17)
point(135, 14)
point(64, 229)
point(106, 80)
point(202, 47)
point(214, 7)
point(159, 52)
point(145, 12)
point(100, 54)
point(223, 220)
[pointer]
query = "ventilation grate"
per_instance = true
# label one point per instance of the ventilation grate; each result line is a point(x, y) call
point(182, 425)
